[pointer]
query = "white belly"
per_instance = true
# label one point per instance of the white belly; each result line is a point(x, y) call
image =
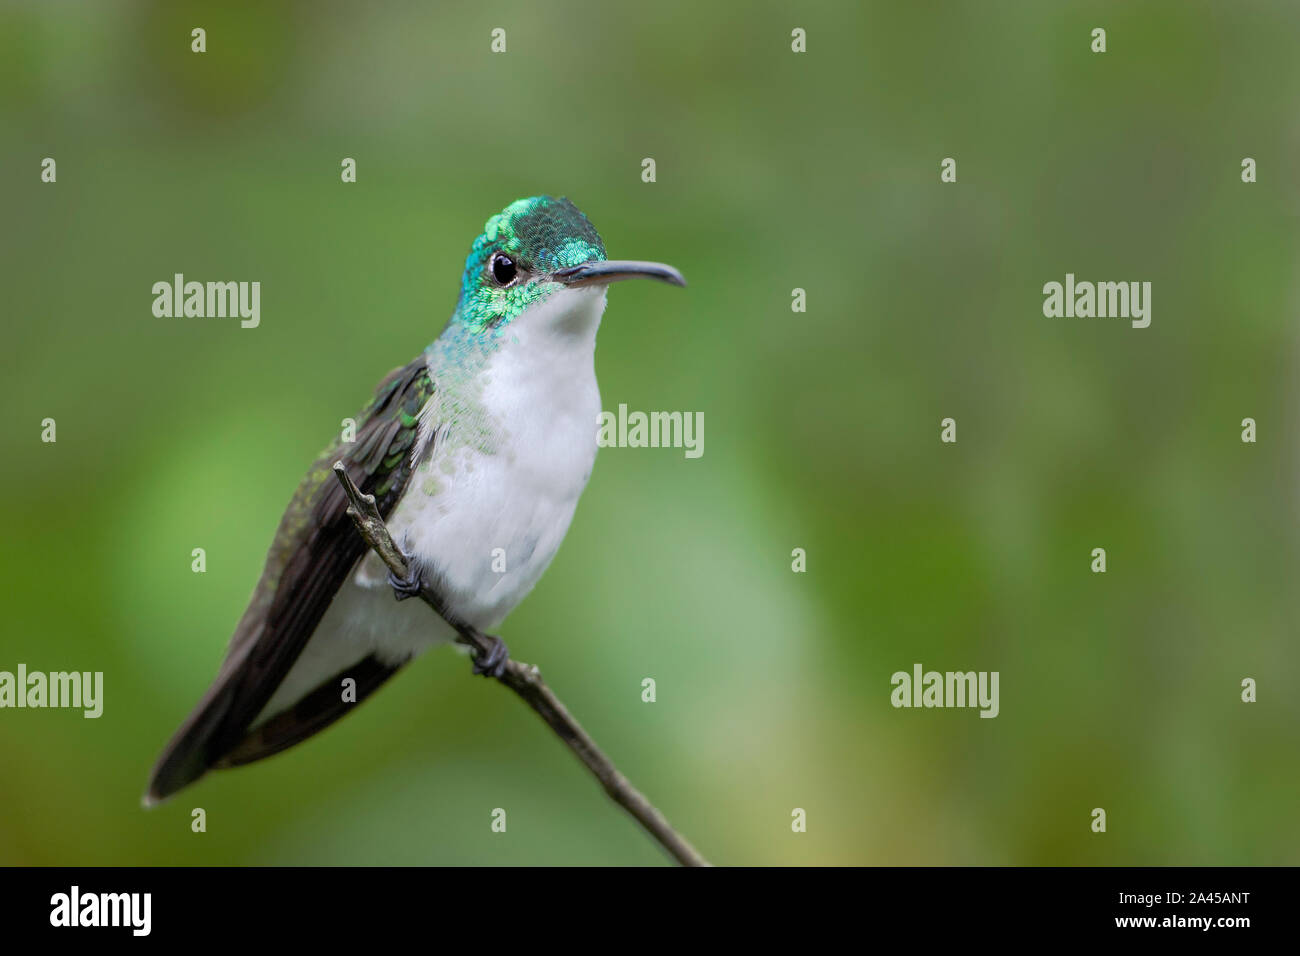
point(487, 508)
point(486, 523)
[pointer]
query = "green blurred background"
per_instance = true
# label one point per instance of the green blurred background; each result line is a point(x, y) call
point(775, 171)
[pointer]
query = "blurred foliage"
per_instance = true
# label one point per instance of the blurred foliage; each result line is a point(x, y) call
point(775, 170)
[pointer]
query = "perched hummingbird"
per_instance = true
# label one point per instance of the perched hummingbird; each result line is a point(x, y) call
point(483, 442)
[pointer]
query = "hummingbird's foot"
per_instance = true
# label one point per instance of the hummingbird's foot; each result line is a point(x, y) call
point(409, 586)
point(493, 664)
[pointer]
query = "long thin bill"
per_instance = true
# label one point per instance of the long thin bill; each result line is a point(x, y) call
point(616, 270)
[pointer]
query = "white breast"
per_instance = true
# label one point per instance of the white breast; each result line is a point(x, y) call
point(488, 508)
point(497, 491)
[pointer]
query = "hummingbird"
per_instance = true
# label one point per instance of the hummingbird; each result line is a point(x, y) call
point(476, 452)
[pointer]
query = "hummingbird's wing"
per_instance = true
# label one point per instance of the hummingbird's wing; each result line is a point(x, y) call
point(314, 549)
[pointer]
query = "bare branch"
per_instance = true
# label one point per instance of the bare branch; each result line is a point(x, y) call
point(525, 680)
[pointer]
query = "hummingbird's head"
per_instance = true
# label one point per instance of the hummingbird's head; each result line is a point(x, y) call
point(531, 250)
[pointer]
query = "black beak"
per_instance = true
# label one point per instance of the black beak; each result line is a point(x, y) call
point(605, 271)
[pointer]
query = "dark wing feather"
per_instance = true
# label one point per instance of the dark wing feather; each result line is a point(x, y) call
point(315, 548)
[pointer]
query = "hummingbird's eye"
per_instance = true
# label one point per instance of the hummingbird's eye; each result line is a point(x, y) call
point(502, 268)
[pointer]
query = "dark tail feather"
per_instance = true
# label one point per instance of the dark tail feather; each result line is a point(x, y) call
point(309, 716)
point(204, 743)
point(188, 755)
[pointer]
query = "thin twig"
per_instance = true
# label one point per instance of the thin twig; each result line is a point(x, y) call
point(525, 680)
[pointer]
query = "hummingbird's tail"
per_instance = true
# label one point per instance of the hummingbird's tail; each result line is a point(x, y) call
point(209, 740)
point(191, 752)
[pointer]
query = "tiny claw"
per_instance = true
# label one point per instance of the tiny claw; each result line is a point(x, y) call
point(493, 664)
point(409, 586)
